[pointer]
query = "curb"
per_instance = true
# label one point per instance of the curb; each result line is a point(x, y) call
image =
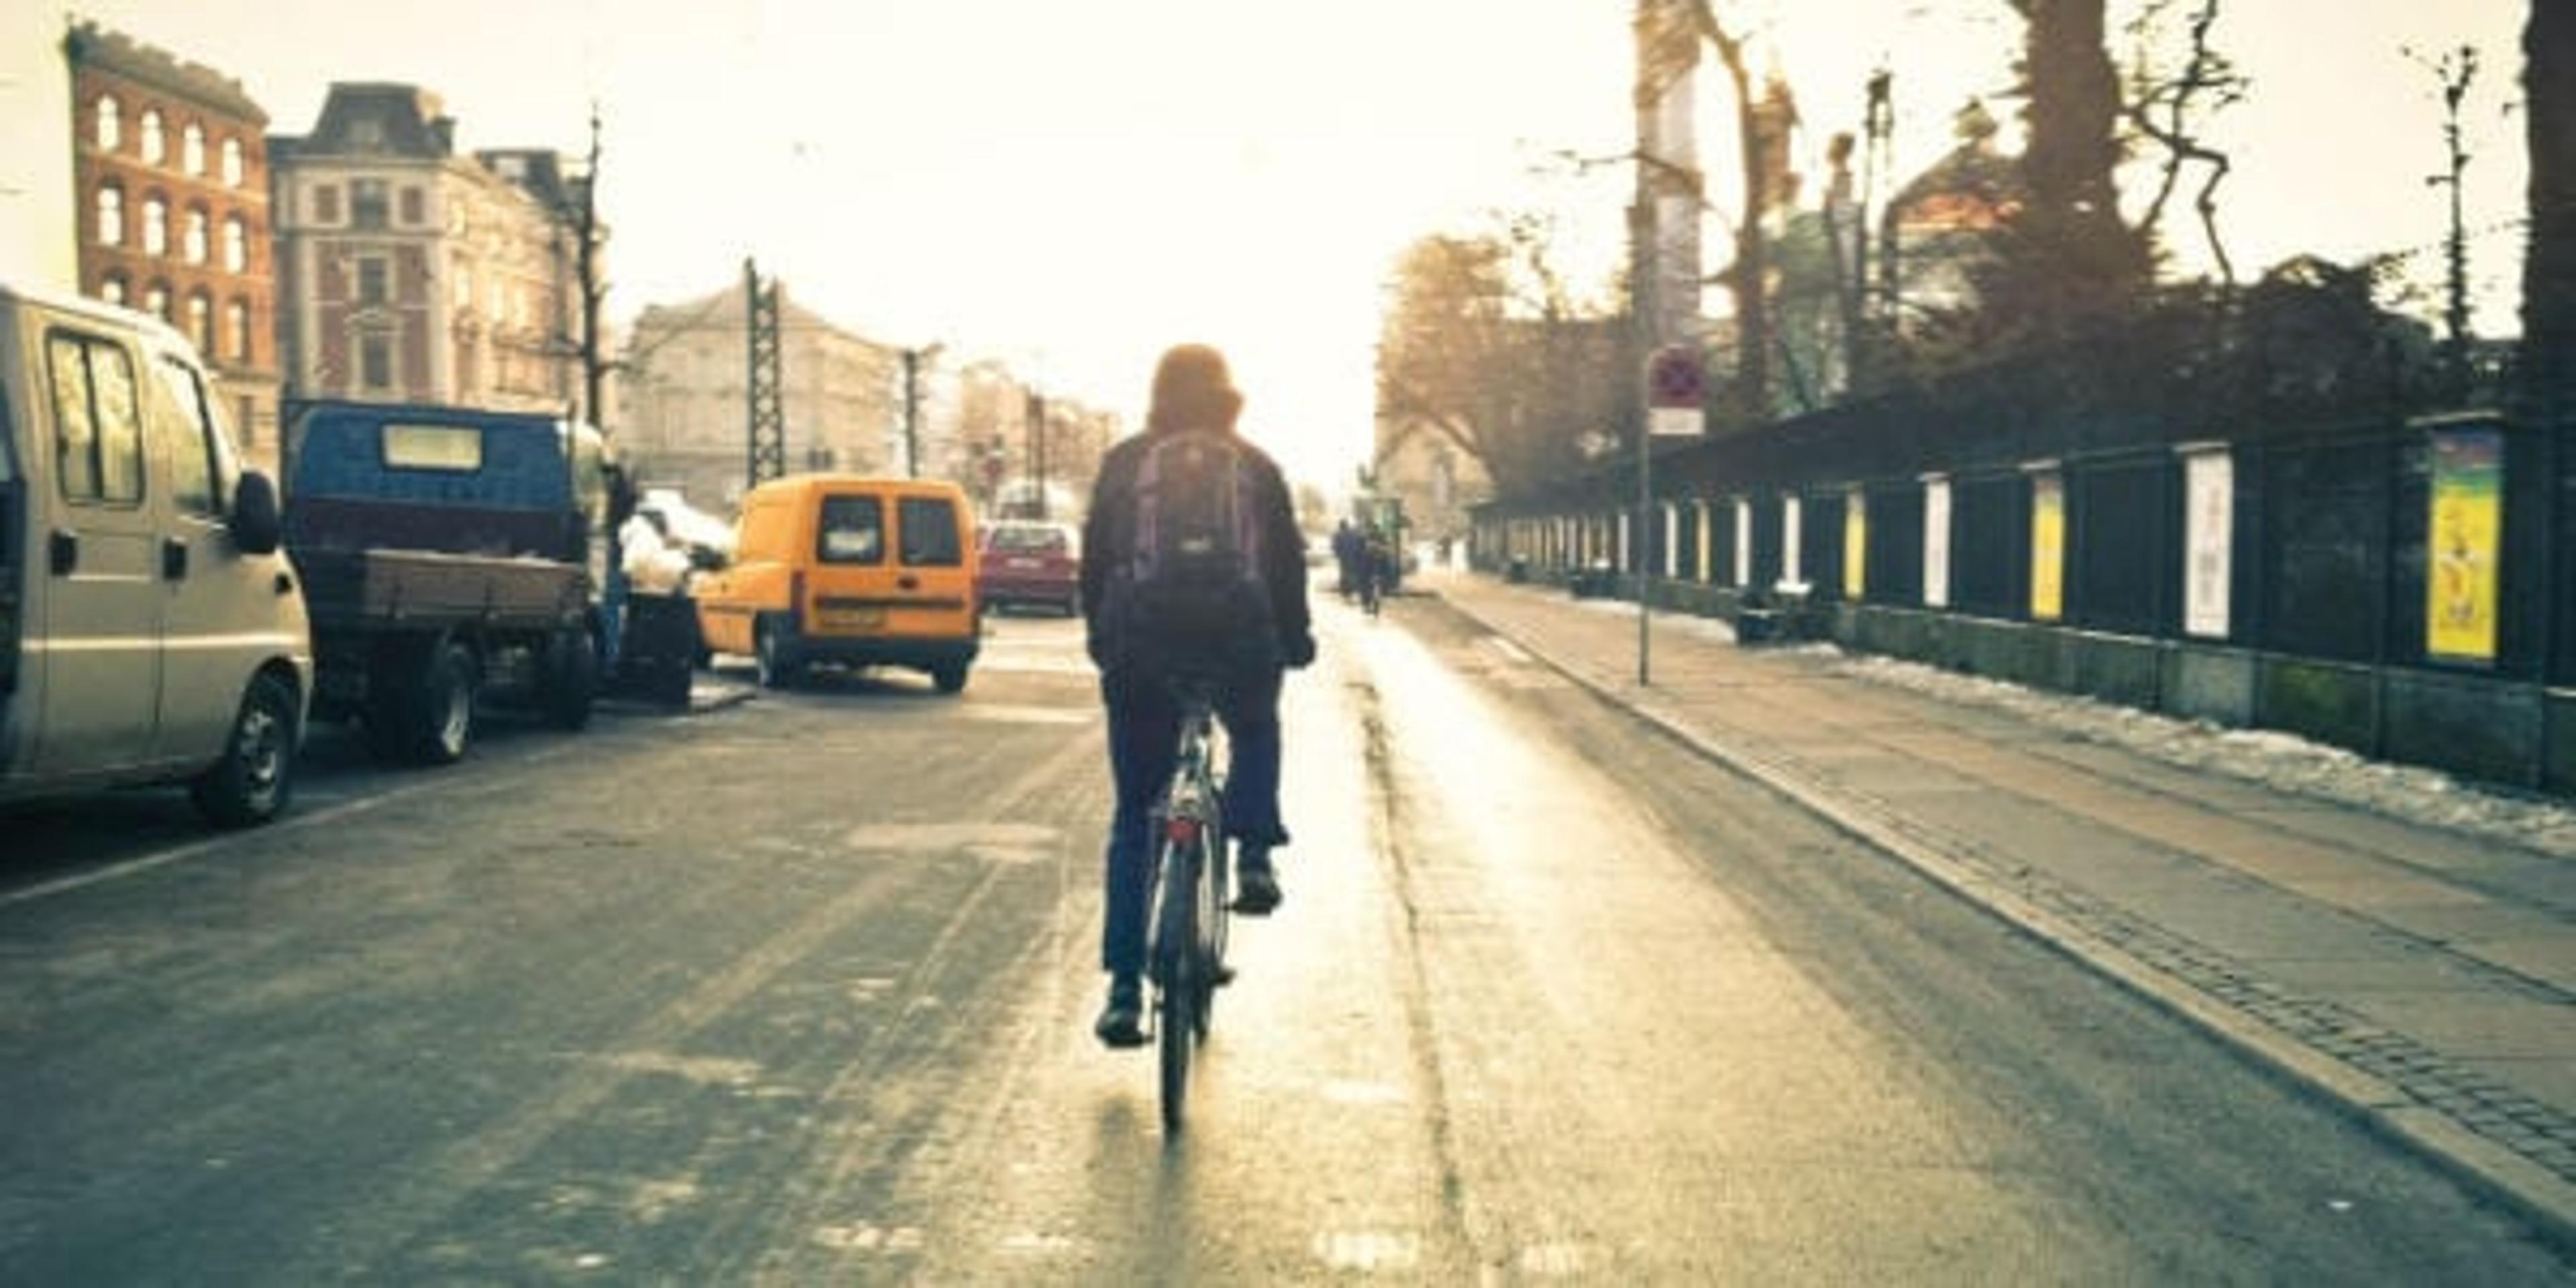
point(2541, 1196)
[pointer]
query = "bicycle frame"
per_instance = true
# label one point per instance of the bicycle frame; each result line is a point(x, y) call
point(1187, 920)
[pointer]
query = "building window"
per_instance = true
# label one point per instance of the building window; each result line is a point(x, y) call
point(412, 216)
point(236, 245)
point(232, 163)
point(156, 226)
point(111, 123)
point(192, 238)
point(237, 332)
point(367, 202)
point(376, 361)
point(111, 215)
point(374, 280)
point(326, 203)
point(156, 300)
point(112, 289)
point(192, 149)
point(201, 322)
point(462, 287)
point(155, 149)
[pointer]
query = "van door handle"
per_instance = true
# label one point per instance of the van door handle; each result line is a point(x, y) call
point(62, 551)
point(907, 582)
point(174, 559)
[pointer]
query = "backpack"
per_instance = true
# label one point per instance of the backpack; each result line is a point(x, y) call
point(1194, 582)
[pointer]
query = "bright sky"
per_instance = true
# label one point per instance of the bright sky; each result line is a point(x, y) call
point(1072, 186)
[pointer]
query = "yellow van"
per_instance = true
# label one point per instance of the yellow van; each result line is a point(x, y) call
point(847, 569)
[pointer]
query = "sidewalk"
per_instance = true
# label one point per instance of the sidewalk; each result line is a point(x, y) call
point(2423, 977)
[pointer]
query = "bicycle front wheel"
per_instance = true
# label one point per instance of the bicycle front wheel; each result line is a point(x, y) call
point(1177, 1019)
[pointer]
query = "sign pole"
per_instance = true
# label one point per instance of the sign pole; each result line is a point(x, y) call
point(1637, 548)
point(1675, 405)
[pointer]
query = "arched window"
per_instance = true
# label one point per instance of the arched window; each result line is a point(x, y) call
point(112, 289)
point(237, 331)
point(232, 163)
point(156, 300)
point(111, 123)
point(193, 236)
point(155, 148)
point(192, 149)
point(236, 245)
point(156, 226)
point(111, 215)
point(201, 322)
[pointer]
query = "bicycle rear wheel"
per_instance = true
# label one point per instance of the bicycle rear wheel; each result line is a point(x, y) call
point(1177, 1021)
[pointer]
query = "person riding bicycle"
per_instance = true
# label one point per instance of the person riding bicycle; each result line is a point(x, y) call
point(1193, 566)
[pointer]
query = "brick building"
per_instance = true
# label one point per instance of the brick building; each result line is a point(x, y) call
point(410, 272)
point(170, 175)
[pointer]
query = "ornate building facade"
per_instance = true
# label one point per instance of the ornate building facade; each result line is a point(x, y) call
point(171, 181)
point(410, 272)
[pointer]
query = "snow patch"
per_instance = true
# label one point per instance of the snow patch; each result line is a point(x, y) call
point(2282, 761)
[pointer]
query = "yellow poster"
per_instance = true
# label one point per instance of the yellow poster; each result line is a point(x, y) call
point(2047, 547)
point(2467, 529)
point(1855, 545)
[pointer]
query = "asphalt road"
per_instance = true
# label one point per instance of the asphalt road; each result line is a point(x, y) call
point(799, 991)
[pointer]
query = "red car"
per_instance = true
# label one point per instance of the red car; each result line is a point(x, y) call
point(1026, 561)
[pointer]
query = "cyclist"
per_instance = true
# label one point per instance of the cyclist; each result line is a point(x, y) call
point(1142, 628)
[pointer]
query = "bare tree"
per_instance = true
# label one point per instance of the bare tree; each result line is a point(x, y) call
point(1747, 279)
point(2169, 107)
point(1485, 347)
point(2548, 356)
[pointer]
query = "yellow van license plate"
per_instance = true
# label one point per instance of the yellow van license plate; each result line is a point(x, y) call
point(853, 619)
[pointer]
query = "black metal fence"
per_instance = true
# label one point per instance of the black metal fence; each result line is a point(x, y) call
point(2325, 549)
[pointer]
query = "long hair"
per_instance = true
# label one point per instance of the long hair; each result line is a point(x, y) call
point(1192, 390)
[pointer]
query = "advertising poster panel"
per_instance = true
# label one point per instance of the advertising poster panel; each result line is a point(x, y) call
point(1936, 542)
point(1793, 572)
point(2047, 546)
point(2209, 539)
point(2467, 526)
point(1855, 544)
point(1743, 542)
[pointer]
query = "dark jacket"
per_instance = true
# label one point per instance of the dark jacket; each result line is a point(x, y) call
point(1109, 546)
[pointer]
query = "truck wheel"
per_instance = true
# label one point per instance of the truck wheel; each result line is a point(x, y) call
point(572, 678)
point(948, 677)
point(776, 668)
point(429, 718)
point(252, 781)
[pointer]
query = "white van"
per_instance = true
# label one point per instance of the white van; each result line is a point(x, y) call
point(150, 629)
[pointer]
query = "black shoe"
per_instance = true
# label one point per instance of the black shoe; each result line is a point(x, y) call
point(1256, 884)
point(1122, 1022)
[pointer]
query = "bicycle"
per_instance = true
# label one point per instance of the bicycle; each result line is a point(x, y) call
point(1185, 957)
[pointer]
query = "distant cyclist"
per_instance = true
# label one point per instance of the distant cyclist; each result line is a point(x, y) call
point(1193, 565)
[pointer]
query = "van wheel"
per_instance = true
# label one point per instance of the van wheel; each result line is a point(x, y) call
point(770, 658)
point(949, 677)
point(572, 678)
point(426, 716)
point(252, 781)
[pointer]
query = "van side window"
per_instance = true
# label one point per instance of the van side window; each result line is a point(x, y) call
point(852, 531)
point(930, 535)
point(98, 429)
point(186, 438)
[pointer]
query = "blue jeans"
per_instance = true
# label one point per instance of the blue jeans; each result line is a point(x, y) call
point(1144, 740)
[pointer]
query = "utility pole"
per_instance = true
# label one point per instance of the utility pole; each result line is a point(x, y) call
point(594, 292)
point(912, 362)
point(1037, 413)
point(767, 414)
